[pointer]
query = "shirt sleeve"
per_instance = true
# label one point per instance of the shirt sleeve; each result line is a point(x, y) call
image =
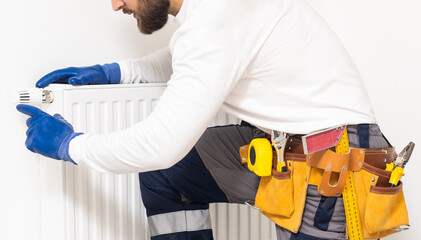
point(207, 61)
point(152, 68)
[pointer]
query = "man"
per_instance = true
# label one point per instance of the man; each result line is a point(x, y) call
point(274, 64)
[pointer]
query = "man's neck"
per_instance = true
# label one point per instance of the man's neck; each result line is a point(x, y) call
point(175, 6)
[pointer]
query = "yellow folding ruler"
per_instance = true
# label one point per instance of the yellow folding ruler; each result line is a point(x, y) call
point(353, 221)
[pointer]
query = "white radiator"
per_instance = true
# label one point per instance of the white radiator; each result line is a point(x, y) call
point(83, 204)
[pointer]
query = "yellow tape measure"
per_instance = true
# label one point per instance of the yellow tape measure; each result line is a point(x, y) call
point(353, 221)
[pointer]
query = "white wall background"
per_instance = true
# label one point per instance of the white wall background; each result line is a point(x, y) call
point(383, 37)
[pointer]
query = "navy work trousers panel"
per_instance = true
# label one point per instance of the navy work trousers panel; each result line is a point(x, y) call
point(187, 186)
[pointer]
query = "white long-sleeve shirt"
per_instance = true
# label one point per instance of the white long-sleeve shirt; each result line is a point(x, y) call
point(273, 63)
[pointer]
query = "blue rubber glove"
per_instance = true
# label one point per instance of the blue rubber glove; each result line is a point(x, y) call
point(47, 135)
point(97, 74)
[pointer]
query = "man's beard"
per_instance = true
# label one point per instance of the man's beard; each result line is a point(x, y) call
point(151, 15)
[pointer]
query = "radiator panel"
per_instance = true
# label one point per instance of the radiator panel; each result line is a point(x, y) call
point(86, 204)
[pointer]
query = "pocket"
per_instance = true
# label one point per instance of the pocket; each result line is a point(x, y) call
point(385, 209)
point(275, 194)
point(381, 208)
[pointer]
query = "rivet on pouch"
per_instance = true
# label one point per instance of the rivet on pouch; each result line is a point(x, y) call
point(373, 179)
point(359, 164)
point(329, 166)
point(361, 151)
point(309, 157)
point(244, 159)
point(385, 160)
point(290, 164)
point(295, 230)
point(322, 191)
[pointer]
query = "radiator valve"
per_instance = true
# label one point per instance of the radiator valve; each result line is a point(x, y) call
point(35, 96)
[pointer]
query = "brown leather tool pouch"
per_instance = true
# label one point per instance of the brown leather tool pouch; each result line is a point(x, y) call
point(382, 209)
point(335, 168)
point(385, 209)
point(275, 194)
point(281, 196)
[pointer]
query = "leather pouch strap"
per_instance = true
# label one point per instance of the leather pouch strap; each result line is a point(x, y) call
point(243, 151)
point(331, 162)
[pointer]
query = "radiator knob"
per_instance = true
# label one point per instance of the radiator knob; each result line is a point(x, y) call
point(34, 96)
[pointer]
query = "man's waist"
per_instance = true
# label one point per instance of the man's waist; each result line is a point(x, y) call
point(377, 155)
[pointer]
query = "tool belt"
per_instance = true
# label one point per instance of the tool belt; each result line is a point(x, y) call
point(282, 195)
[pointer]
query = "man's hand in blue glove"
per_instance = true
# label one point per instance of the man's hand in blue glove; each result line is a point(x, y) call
point(47, 135)
point(97, 74)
